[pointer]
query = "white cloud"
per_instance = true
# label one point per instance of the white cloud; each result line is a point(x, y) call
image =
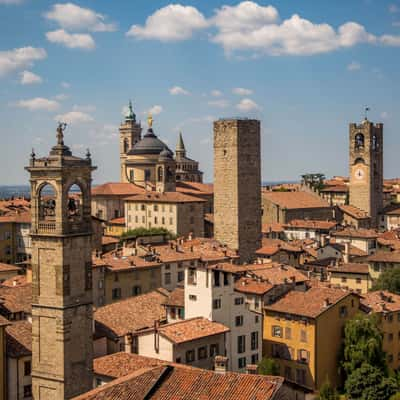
point(390, 40)
point(29, 78)
point(38, 104)
point(216, 93)
point(13, 60)
point(71, 40)
point(384, 114)
point(177, 90)
point(70, 16)
point(354, 66)
point(396, 24)
point(65, 85)
point(171, 23)
point(246, 105)
point(222, 103)
point(87, 108)
point(393, 8)
point(74, 117)
point(61, 97)
point(155, 110)
point(242, 91)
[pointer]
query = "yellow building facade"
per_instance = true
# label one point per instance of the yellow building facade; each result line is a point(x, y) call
point(303, 333)
point(351, 276)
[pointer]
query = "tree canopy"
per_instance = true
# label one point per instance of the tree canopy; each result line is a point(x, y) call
point(268, 366)
point(388, 280)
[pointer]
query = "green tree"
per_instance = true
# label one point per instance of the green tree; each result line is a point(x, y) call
point(369, 383)
point(388, 280)
point(268, 366)
point(363, 345)
point(327, 392)
point(396, 396)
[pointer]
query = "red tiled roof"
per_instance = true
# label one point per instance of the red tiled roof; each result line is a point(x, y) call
point(294, 200)
point(384, 256)
point(177, 382)
point(352, 268)
point(336, 189)
point(356, 233)
point(195, 188)
point(278, 274)
point(176, 298)
point(252, 286)
point(17, 280)
point(19, 339)
point(191, 329)
point(123, 263)
point(133, 314)
point(354, 212)
point(381, 300)
point(311, 224)
point(117, 221)
point(274, 227)
point(109, 240)
point(310, 303)
point(17, 298)
point(116, 189)
point(166, 197)
point(9, 268)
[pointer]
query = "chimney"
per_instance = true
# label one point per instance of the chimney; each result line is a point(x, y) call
point(326, 302)
point(14, 282)
point(251, 369)
point(346, 255)
point(156, 336)
point(190, 236)
point(220, 364)
point(323, 240)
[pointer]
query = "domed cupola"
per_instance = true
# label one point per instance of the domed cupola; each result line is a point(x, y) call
point(166, 155)
point(150, 144)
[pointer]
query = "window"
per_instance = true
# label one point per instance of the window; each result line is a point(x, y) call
point(155, 220)
point(190, 356)
point(288, 333)
point(216, 304)
point(28, 391)
point(147, 174)
point(256, 319)
point(239, 301)
point(390, 317)
point(390, 337)
point(254, 358)
point(167, 278)
point(167, 267)
point(214, 349)
point(192, 276)
point(254, 341)
point(288, 373)
point(358, 280)
point(143, 219)
point(116, 293)
point(241, 362)
point(136, 219)
point(241, 344)
point(276, 331)
point(181, 313)
point(88, 276)
point(343, 311)
point(116, 277)
point(173, 313)
point(344, 279)
point(178, 360)
point(303, 336)
point(163, 220)
point(303, 356)
point(155, 207)
point(27, 368)
point(136, 290)
point(192, 297)
point(191, 220)
point(239, 320)
point(171, 221)
point(181, 276)
point(226, 279)
point(216, 275)
point(142, 207)
point(202, 353)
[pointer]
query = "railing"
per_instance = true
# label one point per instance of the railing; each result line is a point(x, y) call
point(46, 226)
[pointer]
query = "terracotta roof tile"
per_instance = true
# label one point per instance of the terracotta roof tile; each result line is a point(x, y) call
point(166, 197)
point(273, 228)
point(310, 303)
point(191, 329)
point(252, 286)
point(133, 314)
point(278, 274)
point(384, 256)
point(123, 263)
point(17, 280)
point(354, 212)
point(19, 339)
point(356, 233)
point(109, 240)
point(116, 189)
point(195, 188)
point(381, 301)
point(176, 298)
point(311, 224)
point(9, 268)
point(16, 299)
point(335, 189)
point(117, 221)
point(177, 382)
point(294, 200)
point(352, 268)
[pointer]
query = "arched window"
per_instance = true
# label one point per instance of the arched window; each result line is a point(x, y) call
point(375, 143)
point(74, 203)
point(359, 141)
point(126, 145)
point(160, 174)
point(47, 203)
point(131, 175)
point(359, 160)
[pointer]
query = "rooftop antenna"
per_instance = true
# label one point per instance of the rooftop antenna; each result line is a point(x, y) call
point(366, 109)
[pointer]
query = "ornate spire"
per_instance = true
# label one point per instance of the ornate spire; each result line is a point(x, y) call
point(130, 116)
point(180, 147)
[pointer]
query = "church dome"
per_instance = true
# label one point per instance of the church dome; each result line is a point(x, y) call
point(166, 155)
point(150, 144)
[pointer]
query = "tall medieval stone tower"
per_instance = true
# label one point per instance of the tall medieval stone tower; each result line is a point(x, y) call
point(130, 132)
point(62, 316)
point(237, 185)
point(366, 168)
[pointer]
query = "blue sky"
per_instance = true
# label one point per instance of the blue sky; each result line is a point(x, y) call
point(304, 68)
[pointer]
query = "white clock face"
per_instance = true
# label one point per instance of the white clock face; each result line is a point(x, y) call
point(359, 174)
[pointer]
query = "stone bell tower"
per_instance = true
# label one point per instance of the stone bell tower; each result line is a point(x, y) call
point(130, 132)
point(62, 316)
point(366, 168)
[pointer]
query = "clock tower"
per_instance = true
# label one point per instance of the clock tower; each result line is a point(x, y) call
point(366, 168)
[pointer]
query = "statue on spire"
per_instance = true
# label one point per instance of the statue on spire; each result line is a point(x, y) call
point(130, 116)
point(60, 133)
point(150, 121)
